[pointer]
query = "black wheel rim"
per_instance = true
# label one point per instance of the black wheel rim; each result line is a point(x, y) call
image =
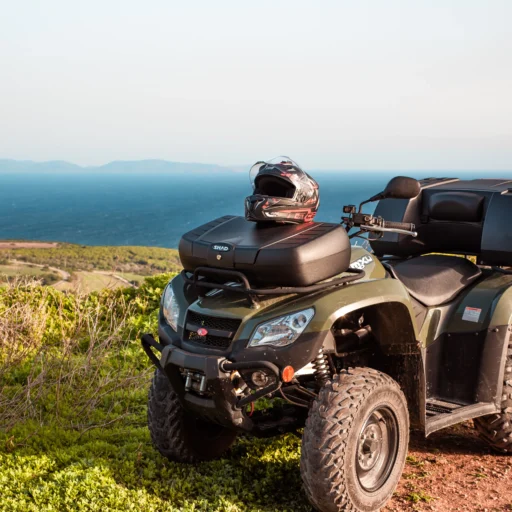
point(377, 448)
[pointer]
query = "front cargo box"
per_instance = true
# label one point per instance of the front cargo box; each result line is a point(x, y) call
point(268, 254)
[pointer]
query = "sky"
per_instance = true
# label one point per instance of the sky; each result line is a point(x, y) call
point(366, 84)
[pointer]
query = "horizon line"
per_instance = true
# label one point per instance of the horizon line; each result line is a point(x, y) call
point(239, 167)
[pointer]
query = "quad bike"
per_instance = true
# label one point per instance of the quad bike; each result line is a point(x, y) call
point(354, 346)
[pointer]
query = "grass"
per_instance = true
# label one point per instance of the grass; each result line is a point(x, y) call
point(71, 257)
point(21, 270)
point(73, 389)
point(10, 271)
point(414, 461)
point(418, 496)
point(82, 281)
point(118, 469)
point(130, 263)
point(133, 278)
point(87, 282)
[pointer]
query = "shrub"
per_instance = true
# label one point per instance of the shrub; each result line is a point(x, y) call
point(62, 353)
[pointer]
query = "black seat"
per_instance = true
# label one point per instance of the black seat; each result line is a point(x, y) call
point(435, 279)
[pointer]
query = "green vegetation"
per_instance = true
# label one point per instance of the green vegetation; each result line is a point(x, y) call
point(417, 496)
point(84, 269)
point(414, 461)
point(87, 282)
point(133, 259)
point(44, 275)
point(132, 278)
point(73, 387)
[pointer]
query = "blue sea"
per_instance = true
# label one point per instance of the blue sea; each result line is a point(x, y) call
point(154, 210)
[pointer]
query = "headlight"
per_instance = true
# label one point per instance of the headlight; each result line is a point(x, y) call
point(282, 331)
point(170, 307)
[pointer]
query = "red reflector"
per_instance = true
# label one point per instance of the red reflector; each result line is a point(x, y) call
point(288, 373)
point(202, 331)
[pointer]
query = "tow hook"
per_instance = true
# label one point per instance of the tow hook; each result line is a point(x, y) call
point(227, 366)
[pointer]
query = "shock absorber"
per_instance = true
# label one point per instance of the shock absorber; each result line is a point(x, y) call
point(321, 366)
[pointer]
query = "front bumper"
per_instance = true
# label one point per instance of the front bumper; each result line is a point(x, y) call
point(204, 385)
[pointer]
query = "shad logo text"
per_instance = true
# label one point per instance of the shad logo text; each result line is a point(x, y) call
point(221, 248)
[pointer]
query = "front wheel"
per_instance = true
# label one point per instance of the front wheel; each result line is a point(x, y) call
point(355, 442)
point(179, 435)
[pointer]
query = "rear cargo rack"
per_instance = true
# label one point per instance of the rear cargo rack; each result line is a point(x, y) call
point(199, 279)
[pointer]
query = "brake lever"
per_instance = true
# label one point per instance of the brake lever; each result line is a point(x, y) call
point(389, 230)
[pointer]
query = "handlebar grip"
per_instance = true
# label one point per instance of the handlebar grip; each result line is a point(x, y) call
point(407, 226)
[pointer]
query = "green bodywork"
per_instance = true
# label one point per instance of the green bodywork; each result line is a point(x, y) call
point(400, 338)
point(329, 305)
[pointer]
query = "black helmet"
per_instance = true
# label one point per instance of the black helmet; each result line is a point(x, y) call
point(283, 192)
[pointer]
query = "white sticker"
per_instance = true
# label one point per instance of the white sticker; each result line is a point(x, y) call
point(471, 314)
point(361, 262)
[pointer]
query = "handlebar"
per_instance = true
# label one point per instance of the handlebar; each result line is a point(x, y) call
point(406, 226)
point(367, 222)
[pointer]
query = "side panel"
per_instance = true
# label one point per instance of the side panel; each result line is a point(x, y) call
point(465, 343)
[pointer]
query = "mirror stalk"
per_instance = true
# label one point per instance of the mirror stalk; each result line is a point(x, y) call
point(376, 197)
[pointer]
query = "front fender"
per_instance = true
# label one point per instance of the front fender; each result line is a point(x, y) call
point(387, 308)
point(333, 304)
point(363, 295)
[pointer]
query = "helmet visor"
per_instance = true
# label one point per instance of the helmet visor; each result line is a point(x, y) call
point(278, 160)
point(254, 170)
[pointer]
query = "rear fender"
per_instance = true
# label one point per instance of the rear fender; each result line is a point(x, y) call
point(497, 342)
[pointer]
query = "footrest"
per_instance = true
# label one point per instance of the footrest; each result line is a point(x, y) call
point(435, 407)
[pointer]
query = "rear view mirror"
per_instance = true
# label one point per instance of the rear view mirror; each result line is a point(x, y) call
point(401, 187)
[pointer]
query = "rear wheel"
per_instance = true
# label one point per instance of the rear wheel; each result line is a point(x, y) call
point(179, 435)
point(355, 442)
point(496, 429)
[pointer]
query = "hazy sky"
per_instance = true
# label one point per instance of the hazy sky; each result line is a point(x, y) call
point(382, 84)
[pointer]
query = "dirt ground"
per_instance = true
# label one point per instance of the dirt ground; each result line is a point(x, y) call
point(28, 245)
point(454, 470)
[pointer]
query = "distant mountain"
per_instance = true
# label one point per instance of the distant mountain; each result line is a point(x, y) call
point(30, 166)
point(128, 166)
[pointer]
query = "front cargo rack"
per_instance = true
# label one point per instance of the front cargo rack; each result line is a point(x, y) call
point(199, 279)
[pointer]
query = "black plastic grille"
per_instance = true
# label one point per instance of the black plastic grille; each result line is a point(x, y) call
point(229, 325)
point(209, 341)
point(213, 322)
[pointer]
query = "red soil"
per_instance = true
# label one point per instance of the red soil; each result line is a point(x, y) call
point(454, 470)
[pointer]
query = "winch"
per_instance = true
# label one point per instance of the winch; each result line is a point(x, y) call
point(194, 381)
